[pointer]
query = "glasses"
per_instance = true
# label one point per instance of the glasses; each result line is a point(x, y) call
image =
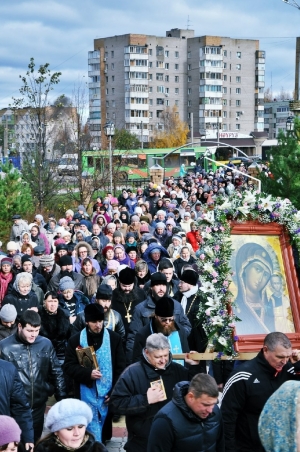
point(82, 252)
point(166, 319)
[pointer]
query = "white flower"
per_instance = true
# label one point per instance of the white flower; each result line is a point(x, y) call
point(209, 217)
point(206, 235)
point(225, 206)
point(207, 287)
point(285, 203)
point(267, 204)
point(217, 320)
point(249, 197)
point(207, 267)
point(244, 210)
point(297, 216)
point(209, 251)
point(213, 302)
point(222, 340)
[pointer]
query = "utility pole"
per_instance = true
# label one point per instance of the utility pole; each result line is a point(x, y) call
point(192, 128)
point(5, 144)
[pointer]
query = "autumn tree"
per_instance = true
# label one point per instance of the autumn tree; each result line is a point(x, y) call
point(174, 131)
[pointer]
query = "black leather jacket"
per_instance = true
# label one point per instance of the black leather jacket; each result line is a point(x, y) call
point(112, 322)
point(38, 368)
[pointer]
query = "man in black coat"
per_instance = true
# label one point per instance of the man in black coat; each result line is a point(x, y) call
point(66, 265)
point(13, 401)
point(191, 421)
point(27, 266)
point(90, 383)
point(145, 387)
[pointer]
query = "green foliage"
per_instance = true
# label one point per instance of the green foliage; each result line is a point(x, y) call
point(15, 197)
point(125, 140)
point(285, 169)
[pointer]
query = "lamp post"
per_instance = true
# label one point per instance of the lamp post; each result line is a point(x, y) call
point(290, 124)
point(109, 130)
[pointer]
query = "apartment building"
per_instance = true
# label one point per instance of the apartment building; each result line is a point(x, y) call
point(276, 114)
point(133, 78)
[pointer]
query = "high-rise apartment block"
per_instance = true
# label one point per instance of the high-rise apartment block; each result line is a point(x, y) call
point(134, 78)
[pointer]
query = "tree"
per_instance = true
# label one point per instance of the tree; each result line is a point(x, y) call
point(125, 140)
point(268, 96)
point(284, 159)
point(15, 197)
point(174, 131)
point(37, 123)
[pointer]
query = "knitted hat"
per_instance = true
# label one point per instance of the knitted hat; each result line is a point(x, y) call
point(47, 260)
point(144, 218)
point(104, 292)
point(65, 260)
point(164, 307)
point(158, 278)
point(130, 234)
point(8, 313)
point(144, 228)
point(155, 250)
point(186, 214)
point(82, 208)
point(7, 260)
point(93, 312)
point(117, 234)
point(66, 283)
point(190, 277)
point(39, 250)
point(112, 264)
point(127, 276)
point(10, 432)
point(106, 248)
point(171, 221)
point(68, 412)
point(12, 246)
point(111, 226)
point(161, 212)
point(160, 224)
point(84, 223)
point(25, 258)
point(134, 218)
point(138, 210)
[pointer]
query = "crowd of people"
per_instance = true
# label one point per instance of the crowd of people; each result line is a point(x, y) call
point(100, 310)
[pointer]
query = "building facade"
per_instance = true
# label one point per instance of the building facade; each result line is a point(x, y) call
point(217, 81)
point(276, 114)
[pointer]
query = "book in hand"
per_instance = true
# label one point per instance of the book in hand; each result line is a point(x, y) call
point(87, 357)
point(159, 384)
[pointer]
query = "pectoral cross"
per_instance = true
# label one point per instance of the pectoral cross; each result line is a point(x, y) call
point(128, 317)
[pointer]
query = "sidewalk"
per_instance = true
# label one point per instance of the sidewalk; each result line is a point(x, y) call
point(116, 444)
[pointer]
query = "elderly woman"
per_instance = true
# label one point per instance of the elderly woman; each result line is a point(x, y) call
point(22, 297)
point(142, 273)
point(122, 257)
point(67, 421)
point(111, 280)
point(55, 324)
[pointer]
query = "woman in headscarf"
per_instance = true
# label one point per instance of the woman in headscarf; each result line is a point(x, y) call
point(108, 254)
point(26, 239)
point(38, 238)
point(101, 221)
point(122, 257)
point(6, 276)
point(254, 268)
point(22, 296)
point(92, 280)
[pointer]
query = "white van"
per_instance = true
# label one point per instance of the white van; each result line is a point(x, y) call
point(68, 164)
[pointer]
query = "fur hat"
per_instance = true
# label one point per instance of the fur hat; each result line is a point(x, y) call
point(66, 283)
point(104, 292)
point(93, 312)
point(65, 260)
point(158, 278)
point(164, 307)
point(68, 412)
point(12, 246)
point(10, 432)
point(190, 277)
point(127, 276)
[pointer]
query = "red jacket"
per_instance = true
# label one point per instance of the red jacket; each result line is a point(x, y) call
point(193, 238)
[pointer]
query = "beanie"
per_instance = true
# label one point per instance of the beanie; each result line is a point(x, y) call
point(68, 412)
point(164, 307)
point(93, 312)
point(12, 246)
point(127, 276)
point(158, 278)
point(84, 223)
point(131, 248)
point(112, 264)
point(104, 292)
point(47, 260)
point(66, 283)
point(138, 210)
point(190, 277)
point(10, 432)
point(144, 218)
point(8, 313)
point(134, 218)
point(7, 260)
point(25, 258)
point(144, 228)
point(117, 234)
point(65, 260)
point(106, 248)
point(160, 224)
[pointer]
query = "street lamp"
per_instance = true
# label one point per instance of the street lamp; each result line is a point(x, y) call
point(109, 130)
point(290, 124)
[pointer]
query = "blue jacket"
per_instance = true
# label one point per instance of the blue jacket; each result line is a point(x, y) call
point(81, 302)
point(147, 256)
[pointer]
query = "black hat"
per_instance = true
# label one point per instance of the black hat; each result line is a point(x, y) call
point(93, 312)
point(39, 250)
point(61, 246)
point(77, 216)
point(16, 217)
point(189, 277)
point(104, 292)
point(65, 260)
point(158, 278)
point(127, 276)
point(131, 248)
point(25, 258)
point(164, 307)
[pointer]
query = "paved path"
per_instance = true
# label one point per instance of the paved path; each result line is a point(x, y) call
point(116, 444)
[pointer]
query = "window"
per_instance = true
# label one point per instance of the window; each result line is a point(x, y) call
point(189, 90)
point(225, 78)
point(237, 103)
point(238, 67)
point(224, 90)
point(224, 114)
point(176, 54)
point(177, 103)
point(167, 53)
point(159, 101)
point(159, 51)
point(150, 89)
point(167, 103)
point(113, 90)
point(106, 78)
point(150, 101)
point(189, 55)
point(106, 91)
point(150, 52)
point(189, 78)
point(159, 76)
point(167, 90)
point(150, 114)
point(112, 54)
point(189, 67)
point(113, 103)
point(112, 66)
point(225, 65)
point(160, 89)
point(176, 90)
point(150, 64)
point(107, 103)
point(238, 79)
point(237, 90)
point(149, 76)
point(177, 78)
point(166, 78)
point(237, 126)
point(158, 113)
point(176, 67)
point(189, 103)
point(239, 54)
point(166, 66)
point(224, 127)
point(225, 53)
point(160, 64)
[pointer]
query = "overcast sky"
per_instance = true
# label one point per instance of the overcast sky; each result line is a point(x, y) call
point(61, 32)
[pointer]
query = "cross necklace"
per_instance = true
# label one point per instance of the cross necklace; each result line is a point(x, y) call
point(128, 316)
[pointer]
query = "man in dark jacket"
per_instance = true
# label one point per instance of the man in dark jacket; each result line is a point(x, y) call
point(145, 387)
point(250, 386)
point(167, 268)
point(191, 421)
point(66, 265)
point(92, 385)
point(13, 401)
point(37, 364)
point(27, 266)
point(144, 310)
point(48, 268)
